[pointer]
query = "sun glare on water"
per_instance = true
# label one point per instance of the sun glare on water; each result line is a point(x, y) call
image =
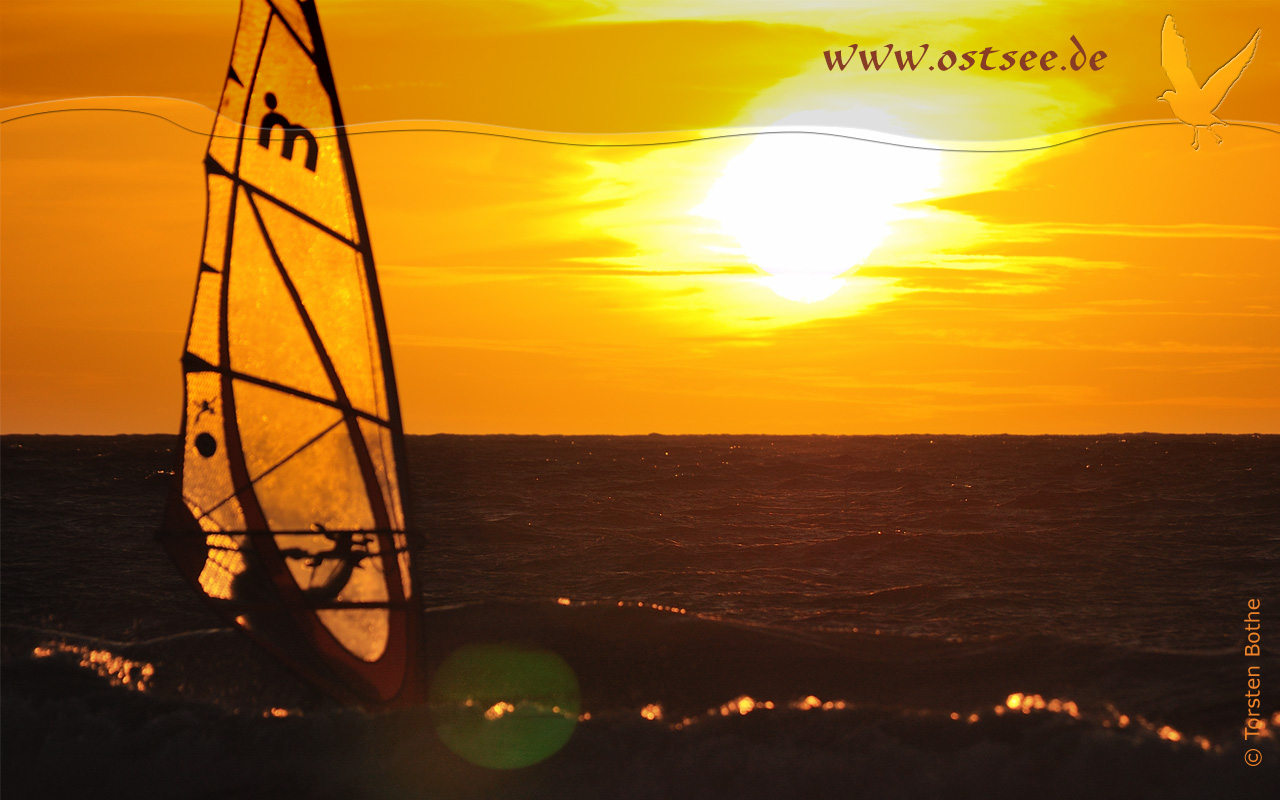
point(808, 207)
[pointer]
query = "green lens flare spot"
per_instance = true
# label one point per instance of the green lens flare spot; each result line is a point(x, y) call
point(504, 706)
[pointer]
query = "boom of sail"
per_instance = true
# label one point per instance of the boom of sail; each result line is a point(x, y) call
point(287, 510)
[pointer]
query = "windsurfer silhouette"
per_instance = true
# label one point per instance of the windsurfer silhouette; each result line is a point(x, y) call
point(346, 549)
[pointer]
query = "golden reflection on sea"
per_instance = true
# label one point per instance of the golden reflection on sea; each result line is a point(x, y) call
point(120, 671)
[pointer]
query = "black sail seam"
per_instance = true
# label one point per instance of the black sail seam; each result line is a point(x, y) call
point(280, 387)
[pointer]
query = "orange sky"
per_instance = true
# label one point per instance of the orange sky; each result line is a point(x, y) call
point(1117, 283)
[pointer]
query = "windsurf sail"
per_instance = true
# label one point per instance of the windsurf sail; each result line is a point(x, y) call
point(287, 510)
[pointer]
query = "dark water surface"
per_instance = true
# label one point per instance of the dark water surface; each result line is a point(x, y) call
point(913, 584)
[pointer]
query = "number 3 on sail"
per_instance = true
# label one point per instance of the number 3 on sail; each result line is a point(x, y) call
point(287, 509)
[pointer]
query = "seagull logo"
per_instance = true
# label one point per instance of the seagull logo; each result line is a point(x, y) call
point(1192, 103)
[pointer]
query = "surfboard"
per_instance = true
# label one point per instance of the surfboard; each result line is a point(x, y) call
point(287, 506)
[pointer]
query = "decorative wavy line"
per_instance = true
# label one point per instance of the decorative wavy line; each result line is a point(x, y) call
point(610, 140)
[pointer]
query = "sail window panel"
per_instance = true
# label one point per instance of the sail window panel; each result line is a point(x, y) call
point(330, 279)
point(229, 125)
point(275, 425)
point(249, 32)
point(202, 340)
point(220, 189)
point(206, 471)
point(226, 516)
point(301, 163)
point(268, 338)
point(363, 631)
point(381, 451)
point(297, 21)
point(224, 562)
point(378, 378)
point(229, 128)
point(320, 486)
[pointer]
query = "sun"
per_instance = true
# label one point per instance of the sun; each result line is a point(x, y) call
point(807, 207)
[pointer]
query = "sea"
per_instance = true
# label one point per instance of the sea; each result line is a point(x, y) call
point(736, 616)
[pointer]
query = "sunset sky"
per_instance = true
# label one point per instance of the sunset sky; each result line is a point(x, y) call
point(764, 283)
